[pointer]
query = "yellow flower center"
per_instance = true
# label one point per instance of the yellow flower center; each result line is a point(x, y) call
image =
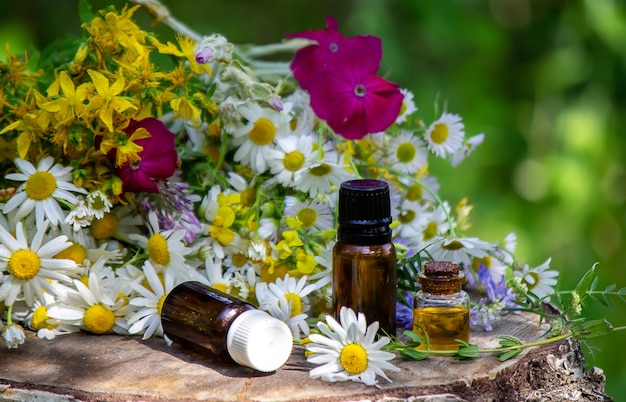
point(353, 358)
point(122, 296)
point(160, 304)
point(486, 261)
point(293, 161)
point(453, 246)
point(263, 132)
point(239, 260)
point(406, 216)
point(98, 319)
point(97, 204)
point(307, 217)
point(157, 249)
point(220, 286)
point(406, 152)
point(269, 272)
point(296, 303)
point(40, 315)
point(24, 264)
point(415, 192)
point(105, 227)
point(402, 108)
point(430, 231)
point(531, 280)
point(321, 170)
point(75, 252)
point(84, 279)
point(439, 133)
point(40, 186)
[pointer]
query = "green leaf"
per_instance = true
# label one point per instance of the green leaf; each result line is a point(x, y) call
point(508, 341)
point(412, 354)
point(466, 351)
point(510, 354)
point(591, 329)
point(586, 281)
point(622, 294)
point(85, 12)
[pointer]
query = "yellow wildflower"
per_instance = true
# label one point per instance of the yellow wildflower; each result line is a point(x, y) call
point(107, 99)
point(126, 149)
point(70, 105)
point(220, 227)
point(187, 50)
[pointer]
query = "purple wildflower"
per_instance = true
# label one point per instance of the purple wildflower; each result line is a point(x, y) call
point(174, 208)
point(204, 56)
point(490, 308)
point(404, 312)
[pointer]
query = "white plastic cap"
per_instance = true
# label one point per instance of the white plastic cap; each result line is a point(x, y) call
point(256, 339)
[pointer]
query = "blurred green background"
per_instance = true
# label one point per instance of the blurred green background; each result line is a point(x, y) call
point(545, 80)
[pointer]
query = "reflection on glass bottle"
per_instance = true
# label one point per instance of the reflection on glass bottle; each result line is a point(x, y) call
point(364, 258)
point(441, 307)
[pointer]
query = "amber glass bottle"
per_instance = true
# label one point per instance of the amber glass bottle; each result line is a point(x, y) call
point(212, 322)
point(364, 258)
point(442, 306)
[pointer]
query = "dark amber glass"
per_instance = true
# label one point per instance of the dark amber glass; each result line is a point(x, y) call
point(198, 317)
point(364, 278)
point(364, 258)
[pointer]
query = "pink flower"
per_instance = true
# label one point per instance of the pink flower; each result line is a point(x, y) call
point(159, 158)
point(312, 59)
point(340, 76)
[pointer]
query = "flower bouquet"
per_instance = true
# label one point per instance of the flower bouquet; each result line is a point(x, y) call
point(125, 176)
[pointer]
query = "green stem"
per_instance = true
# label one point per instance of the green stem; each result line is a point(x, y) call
point(9, 313)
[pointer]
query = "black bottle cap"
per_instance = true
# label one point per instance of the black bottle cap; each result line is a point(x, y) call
point(364, 212)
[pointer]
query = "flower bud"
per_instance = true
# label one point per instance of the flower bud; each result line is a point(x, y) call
point(214, 47)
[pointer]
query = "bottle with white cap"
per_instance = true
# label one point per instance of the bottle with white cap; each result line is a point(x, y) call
point(207, 320)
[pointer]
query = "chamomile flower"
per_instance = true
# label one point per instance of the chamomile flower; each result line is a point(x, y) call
point(445, 135)
point(295, 294)
point(408, 153)
point(460, 250)
point(290, 155)
point(147, 320)
point(46, 327)
point(311, 215)
point(412, 218)
point(320, 178)
point(408, 106)
point(468, 147)
point(98, 204)
point(214, 275)
point(540, 280)
point(165, 250)
point(93, 308)
point(348, 351)
point(13, 335)
point(42, 188)
point(117, 224)
point(263, 126)
point(31, 268)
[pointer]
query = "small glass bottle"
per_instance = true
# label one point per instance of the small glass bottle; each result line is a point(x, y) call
point(442, 307)
point(207, 320)
point(364, 258)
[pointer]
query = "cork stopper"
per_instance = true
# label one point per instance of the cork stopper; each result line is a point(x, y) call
point(441, 277)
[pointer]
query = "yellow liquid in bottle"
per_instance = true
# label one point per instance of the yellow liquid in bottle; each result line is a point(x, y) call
point(443, 325)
